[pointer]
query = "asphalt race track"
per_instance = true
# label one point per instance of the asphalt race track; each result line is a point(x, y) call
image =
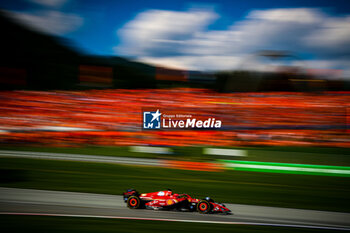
point(41, 202)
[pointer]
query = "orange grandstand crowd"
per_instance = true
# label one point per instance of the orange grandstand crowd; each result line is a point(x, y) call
point(114, 117)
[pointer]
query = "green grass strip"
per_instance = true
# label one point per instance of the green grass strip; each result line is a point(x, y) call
point(290, 168)
point(229, 186)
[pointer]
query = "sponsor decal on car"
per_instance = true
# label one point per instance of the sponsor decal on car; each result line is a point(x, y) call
point(170, 202)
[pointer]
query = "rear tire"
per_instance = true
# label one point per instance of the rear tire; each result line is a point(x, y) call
point(133, 202)
point(204, 207)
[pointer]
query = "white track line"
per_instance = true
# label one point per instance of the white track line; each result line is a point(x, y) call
point(177, 220)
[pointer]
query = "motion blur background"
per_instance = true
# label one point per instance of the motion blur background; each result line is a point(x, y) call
point(75, 75)
point(278, 76)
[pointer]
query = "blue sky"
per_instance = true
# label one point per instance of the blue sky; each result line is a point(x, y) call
point(195, 34)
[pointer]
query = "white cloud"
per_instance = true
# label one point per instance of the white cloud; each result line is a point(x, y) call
point(157, 31)
point(194, 62)
point(183, 38)
point(50, 3)
point(333, 36)
point(50, 22)
point(295, 15)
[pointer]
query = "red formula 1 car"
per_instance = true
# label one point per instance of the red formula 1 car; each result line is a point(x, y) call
point(168, 200)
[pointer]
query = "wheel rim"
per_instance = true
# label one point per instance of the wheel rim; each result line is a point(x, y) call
point(133, 202)
point(203, 206)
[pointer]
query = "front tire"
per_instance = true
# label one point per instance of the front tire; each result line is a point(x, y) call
point(133, 202)
point(204, 207)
